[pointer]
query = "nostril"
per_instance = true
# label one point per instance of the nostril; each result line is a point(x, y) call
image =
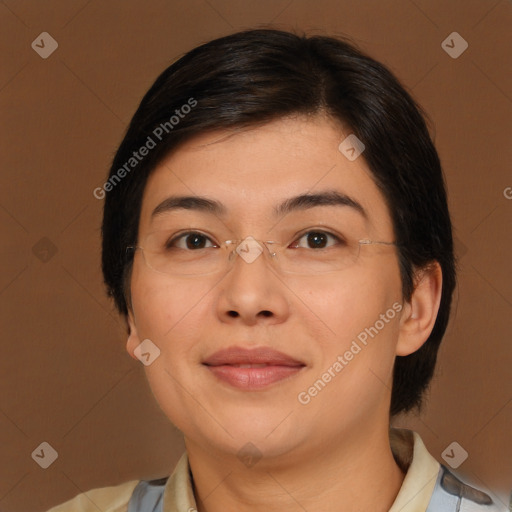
point(233, 314)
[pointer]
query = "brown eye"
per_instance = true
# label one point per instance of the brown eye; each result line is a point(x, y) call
point(190, 241)
point(195, 241)
point(315, 240)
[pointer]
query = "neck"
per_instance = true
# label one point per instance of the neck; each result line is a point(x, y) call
point(357, 474)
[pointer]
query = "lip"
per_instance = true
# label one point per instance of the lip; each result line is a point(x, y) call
point(252, 369)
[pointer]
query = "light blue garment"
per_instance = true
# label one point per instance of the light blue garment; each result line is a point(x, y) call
point(148, 496)
point(449, 495)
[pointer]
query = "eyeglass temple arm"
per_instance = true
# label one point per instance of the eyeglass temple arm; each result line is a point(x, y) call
point(366, 241)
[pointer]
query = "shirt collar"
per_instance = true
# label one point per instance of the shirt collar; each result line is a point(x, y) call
point(421, 471)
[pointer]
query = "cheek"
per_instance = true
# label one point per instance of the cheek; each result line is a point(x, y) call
point(167, 310)
point(377, 306)
point(338, 312)
point(365, 328)
point(361, 315)
point(172, 316)
point(348, 303)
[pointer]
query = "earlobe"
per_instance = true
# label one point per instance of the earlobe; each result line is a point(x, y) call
point(133, 338)
point(420, 312)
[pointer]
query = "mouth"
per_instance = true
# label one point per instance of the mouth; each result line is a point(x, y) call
point(254, 369)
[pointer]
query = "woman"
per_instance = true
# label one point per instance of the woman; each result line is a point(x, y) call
point(276, 234)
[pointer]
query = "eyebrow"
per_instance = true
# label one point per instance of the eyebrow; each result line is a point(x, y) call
point(300, 202)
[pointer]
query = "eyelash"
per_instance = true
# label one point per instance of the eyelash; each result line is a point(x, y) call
point(169, 244)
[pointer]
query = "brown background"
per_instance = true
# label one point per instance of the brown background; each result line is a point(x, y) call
point(66, 378)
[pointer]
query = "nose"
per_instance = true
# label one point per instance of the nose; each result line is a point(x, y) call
point(252, 292)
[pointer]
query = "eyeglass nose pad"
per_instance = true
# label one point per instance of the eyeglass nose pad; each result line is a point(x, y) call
point(273, 253)
point(232, 254)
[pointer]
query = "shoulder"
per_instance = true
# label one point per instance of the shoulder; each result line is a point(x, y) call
point(452, 494)
point(106, 499)
point(429, 486)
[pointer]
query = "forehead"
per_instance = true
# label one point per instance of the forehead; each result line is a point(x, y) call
point(252, 170)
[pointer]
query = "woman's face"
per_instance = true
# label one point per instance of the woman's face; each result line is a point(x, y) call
point(336, 332)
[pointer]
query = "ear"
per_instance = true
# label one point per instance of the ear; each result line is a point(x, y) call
point(420, 313)
point(133, 340)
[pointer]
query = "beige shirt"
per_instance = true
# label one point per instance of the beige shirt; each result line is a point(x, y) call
point(407, 447)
